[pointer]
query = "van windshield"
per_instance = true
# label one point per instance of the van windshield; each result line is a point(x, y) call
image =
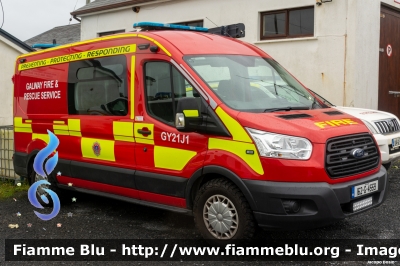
point(252, 84)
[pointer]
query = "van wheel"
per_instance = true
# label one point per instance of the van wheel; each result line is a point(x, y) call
point(221, 212)
point(34, 177)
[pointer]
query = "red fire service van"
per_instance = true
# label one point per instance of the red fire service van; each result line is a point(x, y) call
point(194, 121)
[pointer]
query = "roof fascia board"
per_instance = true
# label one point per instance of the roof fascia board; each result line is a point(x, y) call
point(106, 10)
point(15, 40)
point(13, 45)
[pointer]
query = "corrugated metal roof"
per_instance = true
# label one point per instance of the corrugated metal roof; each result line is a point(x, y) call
point(62, 34)
point(16, 41)
point(100, 5)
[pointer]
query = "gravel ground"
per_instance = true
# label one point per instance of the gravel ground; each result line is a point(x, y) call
point(100, 218)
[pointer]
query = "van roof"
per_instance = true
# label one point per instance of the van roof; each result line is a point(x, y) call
point(187, 42)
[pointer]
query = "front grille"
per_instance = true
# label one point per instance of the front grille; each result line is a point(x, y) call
point(388, 126)
point(340, 163)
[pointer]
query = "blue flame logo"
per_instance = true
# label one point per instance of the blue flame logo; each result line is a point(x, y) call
point(44, 172)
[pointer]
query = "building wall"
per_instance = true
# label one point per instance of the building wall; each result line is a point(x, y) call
point(9, 53)
point(341, 61)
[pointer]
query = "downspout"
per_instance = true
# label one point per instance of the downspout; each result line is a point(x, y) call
point(345, 57)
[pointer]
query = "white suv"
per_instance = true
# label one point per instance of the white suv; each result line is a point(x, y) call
point(385, 127)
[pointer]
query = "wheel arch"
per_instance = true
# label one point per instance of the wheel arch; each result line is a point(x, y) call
point(210, 172)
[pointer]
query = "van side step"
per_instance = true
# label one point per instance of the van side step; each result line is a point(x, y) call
point(130, 200)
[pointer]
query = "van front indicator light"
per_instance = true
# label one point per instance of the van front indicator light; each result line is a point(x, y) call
point(281, 146)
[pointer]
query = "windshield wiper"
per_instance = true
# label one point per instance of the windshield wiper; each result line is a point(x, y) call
point(288, 108)
point(285, 87)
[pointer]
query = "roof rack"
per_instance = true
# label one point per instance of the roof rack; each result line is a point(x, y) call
point(233, 30)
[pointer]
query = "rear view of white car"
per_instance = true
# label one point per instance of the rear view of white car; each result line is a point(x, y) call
point(385, 127)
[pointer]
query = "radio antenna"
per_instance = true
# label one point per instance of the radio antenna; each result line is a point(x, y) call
point(212, 22)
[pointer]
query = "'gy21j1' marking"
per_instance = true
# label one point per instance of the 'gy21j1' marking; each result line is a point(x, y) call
point(173, 137)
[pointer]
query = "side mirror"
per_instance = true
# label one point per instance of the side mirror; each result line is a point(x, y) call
point(188, 116)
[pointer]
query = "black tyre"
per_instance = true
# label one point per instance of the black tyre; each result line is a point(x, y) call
point(387, 165)
point(221, 212)
point(34, 177)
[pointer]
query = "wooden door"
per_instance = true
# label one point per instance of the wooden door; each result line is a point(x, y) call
point(389, 62)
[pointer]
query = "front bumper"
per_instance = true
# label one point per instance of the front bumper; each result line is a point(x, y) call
point(388, 154)
point(321, 203)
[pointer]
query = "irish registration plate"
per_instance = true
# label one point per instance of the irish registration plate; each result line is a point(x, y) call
point(395, 142)
point(364, 189)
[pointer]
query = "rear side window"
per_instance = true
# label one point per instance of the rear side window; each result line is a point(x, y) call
point(98, 87)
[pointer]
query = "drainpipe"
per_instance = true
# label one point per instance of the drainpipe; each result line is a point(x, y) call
point(87, 1)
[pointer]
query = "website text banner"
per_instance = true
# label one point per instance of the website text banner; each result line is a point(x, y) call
point(378, 250)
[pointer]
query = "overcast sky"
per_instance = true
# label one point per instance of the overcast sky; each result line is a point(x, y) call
point(27, 18)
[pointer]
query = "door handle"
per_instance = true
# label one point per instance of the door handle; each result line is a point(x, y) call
point(395, 93)
point(144, 131)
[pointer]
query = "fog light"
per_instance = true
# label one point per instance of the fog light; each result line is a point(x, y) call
point(291, 206)
point(362, 204)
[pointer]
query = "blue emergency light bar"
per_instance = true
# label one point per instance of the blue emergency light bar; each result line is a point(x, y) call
point(233, 30)
point(44, 45)
point(168, 26)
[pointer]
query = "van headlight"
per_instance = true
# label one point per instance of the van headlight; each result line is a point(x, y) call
point(281, 146)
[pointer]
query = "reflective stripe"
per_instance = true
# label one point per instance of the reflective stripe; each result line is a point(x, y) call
point(108, 51)
point(123, 131)
point(236, 130)
point(162, 48)
point(22, 129)
point(106, 149)
point(171, 158)
point(76, 134)
point(127, 35)
point(61, 132)
point(74, 126)
point(80, 43)
point(191, 113)
point(44, 137)
point(19, 126)
point(133, 62)
point(59, 128)
point(18, 123)
point(156, 43)
point(239, 149)
point(142, 139)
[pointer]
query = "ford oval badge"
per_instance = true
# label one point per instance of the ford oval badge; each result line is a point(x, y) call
point(357, 153)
